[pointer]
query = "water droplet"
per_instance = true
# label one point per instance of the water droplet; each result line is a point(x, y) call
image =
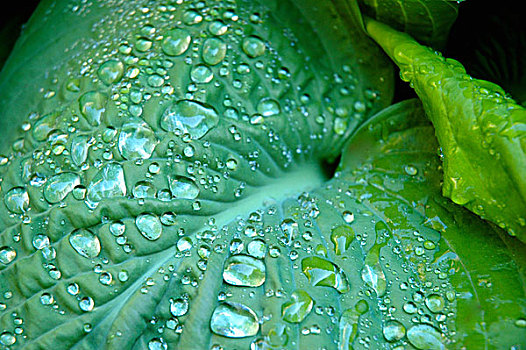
point(143, 189)
point(45, 126)
point(7, 255)
point(393, 331)
point(372, 272)
point(257, 248)
point(349, 324)
point(79, 149)
point(86, 304)
point(117, 228)
point(183, 187)
point(107, 183)
point(157, 344)
point(85, 243)
point(111, 71)
point(217, 28)
point(348, 217)
point(298, 307)
point(59, 186)
point(268, 107)
point(290, 230)
point(190, 117)
point(40, 241)
point(178, 307)
point(184, 244)
point(341, 237)
point(214, 51)
point(7, 339)
point(423, 336)
point(435, 303)
point(244, 270)
point(253, 46)
point(321, 272)
point(136, 140)
point(234, 320)
point(410, 170)
point(105, 278)
point(17, 200)
point(92, 104)
point(201, 74)
point(46, 299)
point(149, 225)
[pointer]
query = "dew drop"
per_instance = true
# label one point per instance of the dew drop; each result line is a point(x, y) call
point(179, 307)
point(435, 303)
point(244, 270)
point(234, 320)
point(190, 117)
point(7, 255)
point(201, 74)
point(107, 183)
point(321, 272)
point(214, 51)
point(111, 71)
point(393, 331)
point(423, 336)
point(46, 299)
point(253, 46)
point(341, 237)
point(85, 243)
point(40, 242)
point(157, 344)
point(268, 107)
point(149, 226)
point(92, 105)
point(59, 186)
point(86, 304)
point(136, 140)
point(298, 307)
point(183, 187)
point(7, 339)
point(17, 200)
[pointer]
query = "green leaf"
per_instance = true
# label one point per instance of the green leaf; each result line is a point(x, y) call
point(481, 131)
point(428, 21)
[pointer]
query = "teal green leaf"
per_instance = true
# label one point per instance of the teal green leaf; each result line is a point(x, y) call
point(481, 131)
point(428, 21)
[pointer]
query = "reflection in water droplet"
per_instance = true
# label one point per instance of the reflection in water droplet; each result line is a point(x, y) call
point(321, 272)
point(86, 304)
point(341, 237)
point(393, 331)
point(149, 226)
point(136, 140)
point(214, 51)
point(435, 303)
point(107, 183)
point(144, 189)
point(268, 107)
point(111, 71)
point(244, 270)
point(79, 149)
point(234, 320)
point(178, 307)
point(217, 28)
point(183, 187)
point(85, 243)
point(157, 344)
point(253, 46)
point(92, 104)
point(17, 200)
point(40, 241)
point(201, 74)
point(59, 186)
point(7, 255)
point(298, 307)
point(257, 248)
point(372, 272)
point(423, 336)
point(176, 42)
point(190, 117)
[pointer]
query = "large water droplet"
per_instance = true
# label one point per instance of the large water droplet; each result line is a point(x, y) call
point(157, 344)
point(136, 140)
point(341, 237)
point(179, 307)
point(214, 51)
point(7, 255)
point(423, 336)
point(298, 307)
point(45, 126)
point(183, 187)
point(111, 71)
point(79, 149)
point(86, 304)
point(85, 243)
point(321, 272)
point(92, 104)
point(372, 272)
point(107, 183)
point(393, 331)
point(244, 270)
point(143, 189)
point(17, 200)
point(234, 320)
point(201, 74)
point(7, 339)
point(253, 46)
point(149, 226)
point(435, 303)
point(176, 42)
point(190, 117)
point(349, 324)
point(59, 186)
point(268, 107)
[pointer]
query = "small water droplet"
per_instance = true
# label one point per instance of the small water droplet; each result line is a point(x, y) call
point(92, 105)
point(17, 200)
point(214, 51)
point(201, 74)
point(253, 46)
point(183, 187)
point(268, 107)
point(435, 303)
point(7, 255)
point(111, 71)
point(179, 307)
point(393, 331)
point(86, 304)
point(244, 270)
point(341, 237)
